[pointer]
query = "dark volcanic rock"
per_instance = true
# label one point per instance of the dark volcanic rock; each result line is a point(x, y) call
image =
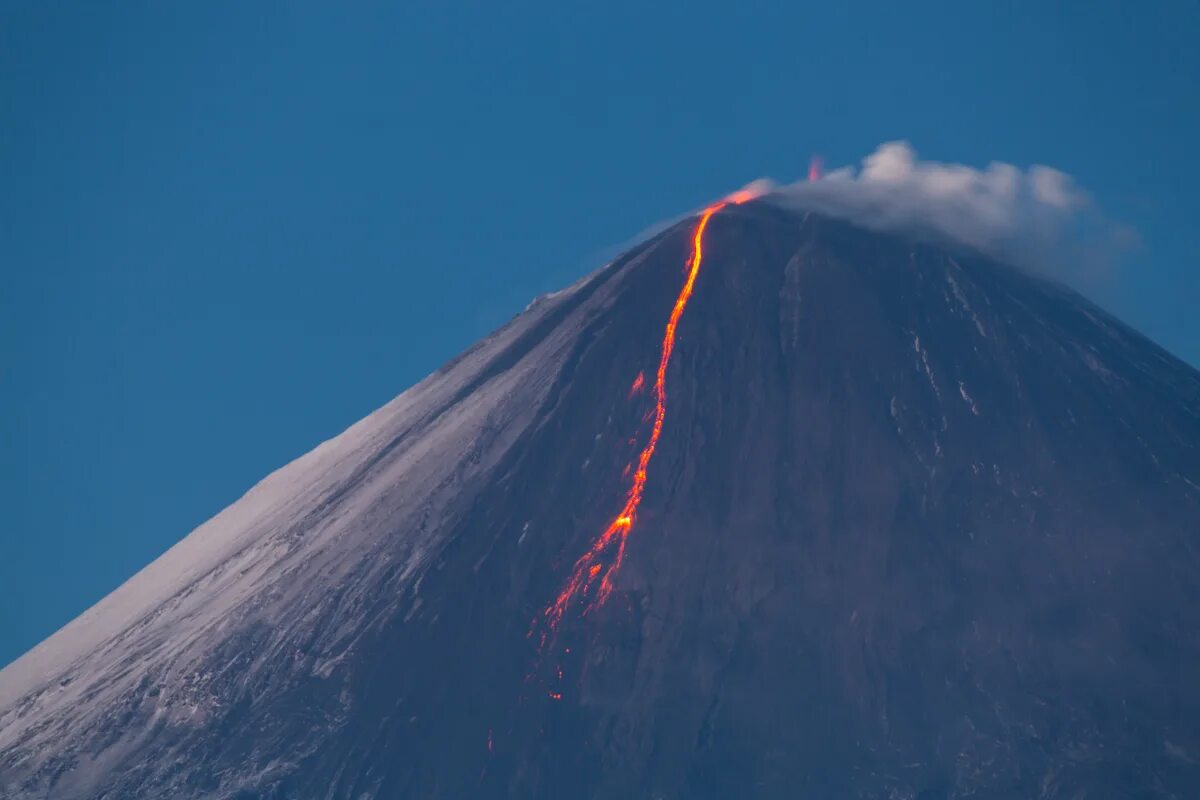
point(919, 526)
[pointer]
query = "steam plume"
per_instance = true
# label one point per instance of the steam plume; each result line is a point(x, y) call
point(1037, 217)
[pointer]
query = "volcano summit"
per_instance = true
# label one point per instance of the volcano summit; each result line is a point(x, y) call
point(914, 524)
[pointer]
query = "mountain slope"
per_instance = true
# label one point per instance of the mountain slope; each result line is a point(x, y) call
point(918, 525)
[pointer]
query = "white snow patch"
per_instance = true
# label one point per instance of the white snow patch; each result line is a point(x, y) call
point(929, 373)
point(966, 396)
point(962, 299)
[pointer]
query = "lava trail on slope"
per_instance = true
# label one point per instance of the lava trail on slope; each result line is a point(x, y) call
point(591, 578)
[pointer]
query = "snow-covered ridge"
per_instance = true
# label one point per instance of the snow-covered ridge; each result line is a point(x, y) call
point(283, 546)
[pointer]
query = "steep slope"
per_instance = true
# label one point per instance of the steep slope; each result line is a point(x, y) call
point(918, 525)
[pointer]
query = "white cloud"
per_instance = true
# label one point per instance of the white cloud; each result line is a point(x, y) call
point(1037, 217)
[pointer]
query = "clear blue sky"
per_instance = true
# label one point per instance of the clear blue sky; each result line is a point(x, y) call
point(229, 230)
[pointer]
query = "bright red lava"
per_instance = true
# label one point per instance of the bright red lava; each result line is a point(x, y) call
point(593, 574)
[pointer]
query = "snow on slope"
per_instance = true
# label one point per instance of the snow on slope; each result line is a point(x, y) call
point(285, 547)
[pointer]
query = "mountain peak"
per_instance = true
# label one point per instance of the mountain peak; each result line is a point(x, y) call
point(915, 524)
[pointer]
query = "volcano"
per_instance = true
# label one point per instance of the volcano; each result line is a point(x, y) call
point(915, 524)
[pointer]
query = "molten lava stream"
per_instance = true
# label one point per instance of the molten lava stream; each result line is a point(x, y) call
point(593, 574)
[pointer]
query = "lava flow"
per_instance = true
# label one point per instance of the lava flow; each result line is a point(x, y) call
point(592, 575)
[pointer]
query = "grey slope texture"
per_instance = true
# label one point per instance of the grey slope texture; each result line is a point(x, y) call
point(919, 526)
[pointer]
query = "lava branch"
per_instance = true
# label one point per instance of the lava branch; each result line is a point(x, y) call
point(594, 571)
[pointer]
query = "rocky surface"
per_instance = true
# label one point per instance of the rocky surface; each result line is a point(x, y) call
point(919, 525)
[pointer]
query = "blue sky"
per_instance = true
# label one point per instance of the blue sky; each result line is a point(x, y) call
point(229, 230)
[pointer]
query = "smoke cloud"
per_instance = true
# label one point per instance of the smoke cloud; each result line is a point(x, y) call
point(1037, 218)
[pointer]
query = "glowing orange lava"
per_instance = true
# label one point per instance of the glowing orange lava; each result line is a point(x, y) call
point(593, 574)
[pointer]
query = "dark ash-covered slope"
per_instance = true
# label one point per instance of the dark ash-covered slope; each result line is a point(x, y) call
point(919, 526)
